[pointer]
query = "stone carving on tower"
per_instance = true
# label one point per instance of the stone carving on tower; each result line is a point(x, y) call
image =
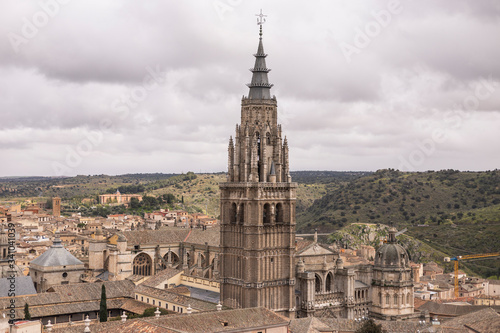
point(258, 205)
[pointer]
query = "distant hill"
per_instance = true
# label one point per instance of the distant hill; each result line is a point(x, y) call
point(73, 187)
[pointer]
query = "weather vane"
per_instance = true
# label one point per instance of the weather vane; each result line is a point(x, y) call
point(261, 20)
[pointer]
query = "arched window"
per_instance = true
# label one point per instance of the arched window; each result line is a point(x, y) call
point(266, 214)
point(395, 299)
point(279, 213)
point(387, 301)
point(329, 281)
point(317, 284)
point(233, 213)
point(242, 213)
point(268, 138)
point(142, 265)
point(408, 298)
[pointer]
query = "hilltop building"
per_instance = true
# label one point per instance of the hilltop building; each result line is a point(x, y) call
point(118, 198)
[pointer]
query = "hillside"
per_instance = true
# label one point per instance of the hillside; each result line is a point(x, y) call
point(409, 199)
point(455, 212)
point(356, 234)
point(198, 192)
point(72, 187)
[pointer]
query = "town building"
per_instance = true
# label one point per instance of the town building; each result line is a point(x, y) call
point(54, 267)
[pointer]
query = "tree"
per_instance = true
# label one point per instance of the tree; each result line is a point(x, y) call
point(150, 312)
point(369, 326)
point(134, 203)
point(103, 308)
point(27, 314)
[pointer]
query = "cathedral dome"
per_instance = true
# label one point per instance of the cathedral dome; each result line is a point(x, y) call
point(392, 254)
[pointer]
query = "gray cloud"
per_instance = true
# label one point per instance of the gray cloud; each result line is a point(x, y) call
point(433, 67)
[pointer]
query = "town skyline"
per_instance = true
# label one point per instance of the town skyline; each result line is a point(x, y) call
point(360, 86)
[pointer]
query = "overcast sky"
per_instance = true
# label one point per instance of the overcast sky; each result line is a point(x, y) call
point(113, 87)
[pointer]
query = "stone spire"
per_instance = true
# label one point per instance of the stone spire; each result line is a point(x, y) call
point(260, 88)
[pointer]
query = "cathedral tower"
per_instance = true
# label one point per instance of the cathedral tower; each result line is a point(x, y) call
point(258, 205)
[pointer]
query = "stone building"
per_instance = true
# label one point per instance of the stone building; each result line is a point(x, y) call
point(56, 206)
point(118, 198)
point(257, 241)
point(392, 286)
point(146, 252)
point(326, 287)
point(54, 267)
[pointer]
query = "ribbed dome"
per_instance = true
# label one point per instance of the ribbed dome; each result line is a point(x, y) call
point(391, 254)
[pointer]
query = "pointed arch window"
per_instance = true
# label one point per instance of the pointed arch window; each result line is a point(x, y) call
point(329, 282)
point(142, 265)
point(233, 213)
point(317, 283)
point(266, 214)
point(279, 213)
point(241, 214)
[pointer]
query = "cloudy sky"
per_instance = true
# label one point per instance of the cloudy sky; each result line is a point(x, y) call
point(113, 87)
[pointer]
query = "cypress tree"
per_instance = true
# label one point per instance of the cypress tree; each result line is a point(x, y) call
point(27, 315)
point(103, 309)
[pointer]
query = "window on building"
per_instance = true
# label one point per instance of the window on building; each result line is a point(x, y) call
point(173, 307)
point(153, 302)
point(136, 297)
point(395, 299)
point(147, 300)
point(142, 299)
point(387, 299)
point(159, 303)
point(317, 283)
point(166, 306)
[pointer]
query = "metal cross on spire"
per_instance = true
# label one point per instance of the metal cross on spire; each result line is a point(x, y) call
point(261, 20)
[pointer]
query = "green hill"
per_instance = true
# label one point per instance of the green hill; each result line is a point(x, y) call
point(455, 212)
point(420, 251)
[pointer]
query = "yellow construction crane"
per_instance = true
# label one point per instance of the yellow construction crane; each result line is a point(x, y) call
point(466, 257)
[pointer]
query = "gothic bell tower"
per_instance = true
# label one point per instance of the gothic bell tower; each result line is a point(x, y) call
point(258, 205)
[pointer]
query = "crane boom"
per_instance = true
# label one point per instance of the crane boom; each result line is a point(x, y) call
point(467, 257)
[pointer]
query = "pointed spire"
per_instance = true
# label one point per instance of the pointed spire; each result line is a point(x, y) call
point(260, 88)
